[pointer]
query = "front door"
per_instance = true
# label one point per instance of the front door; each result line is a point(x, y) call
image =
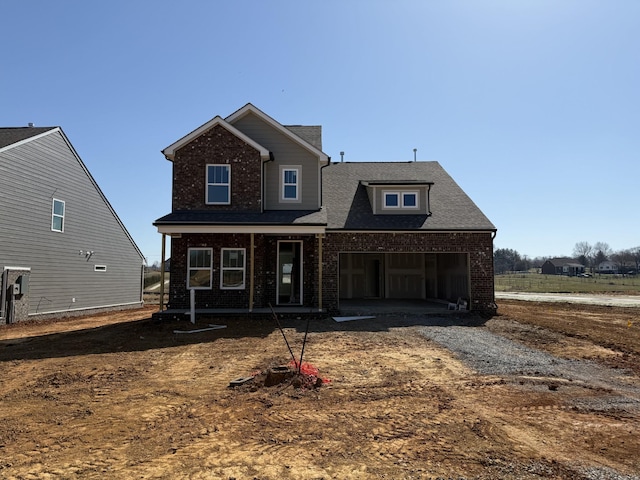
point(289, 288)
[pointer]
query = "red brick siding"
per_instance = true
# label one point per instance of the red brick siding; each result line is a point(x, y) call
point(265, 270)
point(217, 146)
point(479, 246)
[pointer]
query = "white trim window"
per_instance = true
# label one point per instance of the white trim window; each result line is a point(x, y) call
point(232, 268)
point(290, 191)
point(391, 200)
point(57, 215)
point(218, 184)
point(408, 200)
point(199, 268)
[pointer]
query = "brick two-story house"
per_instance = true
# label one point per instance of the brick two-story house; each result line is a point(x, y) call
point(261, 217)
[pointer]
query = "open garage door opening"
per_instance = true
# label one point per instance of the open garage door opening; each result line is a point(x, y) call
point(442, 277)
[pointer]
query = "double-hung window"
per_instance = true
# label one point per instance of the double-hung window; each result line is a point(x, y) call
point(57, 216)
point(218, 184)
point(200, 268)
point(232, 270)
point(290, 183)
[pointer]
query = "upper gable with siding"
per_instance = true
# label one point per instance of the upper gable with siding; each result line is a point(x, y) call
point(64, 277)
point(289, 152)
point(265, 165)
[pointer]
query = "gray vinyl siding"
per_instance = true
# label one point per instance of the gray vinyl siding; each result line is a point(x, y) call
point(31, 175)
point(285, 152)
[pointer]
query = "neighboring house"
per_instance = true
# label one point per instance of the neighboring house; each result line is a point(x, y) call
point(562, 266)
point(260, 216)
point(63, 249)
point(608, 267)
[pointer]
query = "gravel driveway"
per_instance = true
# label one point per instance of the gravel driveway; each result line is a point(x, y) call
point(610, 300)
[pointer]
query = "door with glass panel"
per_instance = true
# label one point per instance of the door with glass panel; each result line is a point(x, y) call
point(289, 288)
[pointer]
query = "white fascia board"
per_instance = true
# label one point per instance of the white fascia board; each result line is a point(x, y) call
point(21, 269)
point(249, 108)
point(30, 139)
point(277, 229)
point(169, 152)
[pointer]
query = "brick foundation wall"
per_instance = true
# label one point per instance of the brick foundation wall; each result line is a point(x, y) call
point(217, 146)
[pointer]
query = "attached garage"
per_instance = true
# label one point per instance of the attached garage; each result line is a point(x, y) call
point(407, 275)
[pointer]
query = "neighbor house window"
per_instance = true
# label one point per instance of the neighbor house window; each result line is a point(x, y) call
point(57, 216)
point(218, 184)
point(232, 269)
point(291, 183)
point(200, 268)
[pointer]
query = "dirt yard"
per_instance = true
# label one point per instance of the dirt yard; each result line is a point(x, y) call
point(120, 396)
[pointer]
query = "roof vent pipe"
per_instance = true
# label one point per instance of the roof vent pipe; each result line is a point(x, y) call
point(31, 124)
point(415, 150)
point(342, 156)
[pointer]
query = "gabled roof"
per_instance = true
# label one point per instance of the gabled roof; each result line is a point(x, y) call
point(12, 135)
point(296, 133)
point(562, 261)
point(169, 152)
point(348, 207)
point(309, 133)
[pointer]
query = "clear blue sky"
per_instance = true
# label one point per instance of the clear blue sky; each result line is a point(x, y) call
point(532, 106)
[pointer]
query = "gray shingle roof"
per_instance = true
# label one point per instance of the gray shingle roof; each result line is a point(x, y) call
point(309, 133)
point(348, 206)
point(11, 135)
point(271, 217)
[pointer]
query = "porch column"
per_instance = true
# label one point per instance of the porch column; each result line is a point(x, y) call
point(162, 273)
point(251, 271)
point(320, 272)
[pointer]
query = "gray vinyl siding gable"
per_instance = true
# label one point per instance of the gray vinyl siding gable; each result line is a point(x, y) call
point(31, 175)
point(285, 152)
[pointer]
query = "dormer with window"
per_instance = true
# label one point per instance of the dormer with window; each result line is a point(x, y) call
point(395, 197)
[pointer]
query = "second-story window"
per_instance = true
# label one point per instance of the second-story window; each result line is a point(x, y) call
point(291, 183)
point(218, 184)
point(407, 200)
point(57, 216)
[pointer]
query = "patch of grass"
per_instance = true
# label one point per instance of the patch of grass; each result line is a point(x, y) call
point(538, 283)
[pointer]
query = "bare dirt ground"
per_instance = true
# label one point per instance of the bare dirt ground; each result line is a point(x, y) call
point(120, 396)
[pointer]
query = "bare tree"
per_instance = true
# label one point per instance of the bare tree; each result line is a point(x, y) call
point(604, 248)
point(583, 252)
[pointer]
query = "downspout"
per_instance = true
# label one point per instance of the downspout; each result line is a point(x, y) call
point(321, 189)
point(251, 272)
point(320, 237)
point(271, 159)
point(3, 295)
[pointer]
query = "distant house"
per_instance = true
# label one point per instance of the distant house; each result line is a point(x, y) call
point(562, 266)
point(63, 249)
point(608, 267)
point(260, 216)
